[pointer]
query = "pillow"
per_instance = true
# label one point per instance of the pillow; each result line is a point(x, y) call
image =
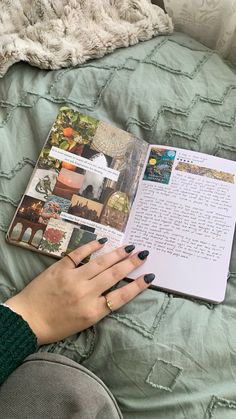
point(211, 22)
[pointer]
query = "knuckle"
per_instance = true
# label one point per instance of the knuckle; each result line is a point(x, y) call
point(99, 262)
point(140, 286)
point(116, 272)
point(93, 245)
point(120, 252)
point(77, 253)
point(124, 297)
point(135, 261)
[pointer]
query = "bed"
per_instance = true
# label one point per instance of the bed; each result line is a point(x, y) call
point(162, 356)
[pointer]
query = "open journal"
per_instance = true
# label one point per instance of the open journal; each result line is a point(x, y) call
point(94, 180)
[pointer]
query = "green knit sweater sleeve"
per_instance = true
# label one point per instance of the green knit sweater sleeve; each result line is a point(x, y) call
point(17, 341)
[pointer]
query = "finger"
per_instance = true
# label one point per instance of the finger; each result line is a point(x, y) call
point(120, 270)
point(77, 255)
point(103, 262)
point(119, 297)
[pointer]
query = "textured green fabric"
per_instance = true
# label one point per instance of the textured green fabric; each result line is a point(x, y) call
point(17, 341)
point(162, 356)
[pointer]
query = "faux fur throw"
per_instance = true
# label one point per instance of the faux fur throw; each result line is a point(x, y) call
point(51, 34)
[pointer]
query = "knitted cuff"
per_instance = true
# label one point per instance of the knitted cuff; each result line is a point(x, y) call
point(17, 341)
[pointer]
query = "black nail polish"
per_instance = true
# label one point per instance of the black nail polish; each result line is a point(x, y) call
point(149, 278)
point(142, 255)
point(129, 248)
point(103, 240)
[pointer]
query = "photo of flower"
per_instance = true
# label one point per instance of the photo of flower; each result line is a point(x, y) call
point(56, 237)
point(52, 240)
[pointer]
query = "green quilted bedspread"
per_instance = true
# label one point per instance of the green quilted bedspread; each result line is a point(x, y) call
point(162, 356)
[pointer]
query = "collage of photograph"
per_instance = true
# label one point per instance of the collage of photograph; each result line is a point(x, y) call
point(102, 195)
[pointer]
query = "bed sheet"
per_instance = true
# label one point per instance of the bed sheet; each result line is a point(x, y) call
point(161, 355)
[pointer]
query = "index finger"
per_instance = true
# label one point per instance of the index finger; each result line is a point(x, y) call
point(80, 253)
point(103, 262)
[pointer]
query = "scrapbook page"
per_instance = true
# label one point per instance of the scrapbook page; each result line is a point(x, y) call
point(94, 180)
point(82, 188)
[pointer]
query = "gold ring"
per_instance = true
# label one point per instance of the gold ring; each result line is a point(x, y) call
point(72, 260)
point(109, 304)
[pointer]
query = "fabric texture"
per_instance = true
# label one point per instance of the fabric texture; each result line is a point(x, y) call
point(162, 356)
point(17, 341)
point(52, 386)
point(51, 34)
point(211, 22)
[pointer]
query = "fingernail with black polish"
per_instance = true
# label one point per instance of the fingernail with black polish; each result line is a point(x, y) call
point(129, 248)
point(103, 240)
point(149, 278)
point(142, 255)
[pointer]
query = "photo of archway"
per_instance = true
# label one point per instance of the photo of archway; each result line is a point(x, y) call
point(116, 211)
point(26, 227)
point(42, 184)
point(85, 208)
point(68, 184)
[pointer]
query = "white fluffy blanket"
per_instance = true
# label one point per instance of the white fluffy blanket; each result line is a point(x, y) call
point(51, 34)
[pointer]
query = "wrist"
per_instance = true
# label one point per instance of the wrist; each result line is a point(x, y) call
point(19, 308)
point(17, 341)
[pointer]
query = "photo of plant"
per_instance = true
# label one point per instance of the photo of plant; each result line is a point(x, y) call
point(70, 132)
point(52, 239)
point(56, 237)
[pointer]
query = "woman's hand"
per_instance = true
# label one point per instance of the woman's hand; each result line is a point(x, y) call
point(65, 299)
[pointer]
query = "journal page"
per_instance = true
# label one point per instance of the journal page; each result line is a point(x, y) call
point(184, 214)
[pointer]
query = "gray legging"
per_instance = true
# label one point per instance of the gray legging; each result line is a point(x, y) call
point(52, 386)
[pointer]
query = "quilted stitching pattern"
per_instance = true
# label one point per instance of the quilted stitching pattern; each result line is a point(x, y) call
point(170, 90)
